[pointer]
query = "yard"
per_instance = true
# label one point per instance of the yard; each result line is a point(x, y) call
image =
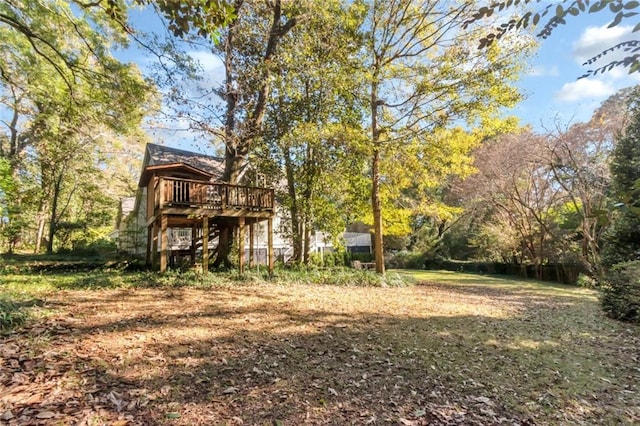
point(453, 349)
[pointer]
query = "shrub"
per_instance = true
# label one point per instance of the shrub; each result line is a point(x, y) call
point(103, 247)
point(621, 292)
point(347, 277)
point(362, 257)
point(586, 281)
point(407, 260)
point(327, 259)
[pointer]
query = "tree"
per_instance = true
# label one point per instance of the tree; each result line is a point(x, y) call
point(545, 197)
point(622, 242)
point(65, 93)
point(514, 194)
point(621, 251)
point(312, 126)
point(248, 45)
point(248, 48)
point(557, 13)
point(579, 160)
point(8, 231)
point(425, 77)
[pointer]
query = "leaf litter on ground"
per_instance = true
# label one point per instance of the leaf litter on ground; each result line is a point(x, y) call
point(447, 351)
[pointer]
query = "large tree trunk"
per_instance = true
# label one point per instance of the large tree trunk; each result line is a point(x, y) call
point(53, 221)
point(41, 219)
point(376, 205)
point(293, 208)
point(307, 241)
point(225, 241)
point(240, 140)
point(232, 166)
point(378, 247)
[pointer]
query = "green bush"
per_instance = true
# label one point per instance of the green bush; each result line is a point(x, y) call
point(407, 260)
point(586, 281)
point(340, 276)
point(362, 257)
point(102, 247)
point(621, 292)
point(327, 259)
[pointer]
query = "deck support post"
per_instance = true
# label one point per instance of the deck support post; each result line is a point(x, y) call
point(251, 242)
point(205, 244)
point(164, 243)
point(241, 245)
point(270, 244)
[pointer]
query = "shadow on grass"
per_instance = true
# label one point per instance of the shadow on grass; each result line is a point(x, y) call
point(496, 283)
point(237, 357)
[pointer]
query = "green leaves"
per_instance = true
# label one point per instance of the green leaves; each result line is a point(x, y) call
point(617, 20)
point(204, 17)
point(71, 100)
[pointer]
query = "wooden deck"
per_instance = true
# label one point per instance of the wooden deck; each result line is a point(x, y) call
point(186, 196)
point(178, 202)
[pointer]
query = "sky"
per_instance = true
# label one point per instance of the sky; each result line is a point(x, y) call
point(554, 95)
point(552, 87)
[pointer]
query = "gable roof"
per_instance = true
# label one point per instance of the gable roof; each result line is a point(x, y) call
point(157, 156)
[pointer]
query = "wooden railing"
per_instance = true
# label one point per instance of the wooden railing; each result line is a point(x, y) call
point(194, 193)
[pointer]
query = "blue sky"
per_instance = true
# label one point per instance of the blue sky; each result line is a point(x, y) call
point(554, 94)
point(552, 88)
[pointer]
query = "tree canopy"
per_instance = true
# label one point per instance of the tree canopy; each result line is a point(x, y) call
point(66, 99)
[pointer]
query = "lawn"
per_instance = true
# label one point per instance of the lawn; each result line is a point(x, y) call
point(452, 349)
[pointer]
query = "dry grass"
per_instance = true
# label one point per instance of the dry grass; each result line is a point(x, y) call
point(455, 349)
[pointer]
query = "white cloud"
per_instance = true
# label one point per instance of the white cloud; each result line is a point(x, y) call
point(542, 71)
point(620, 73)
point(584, 89)
point(208, 61)
point(595, 40)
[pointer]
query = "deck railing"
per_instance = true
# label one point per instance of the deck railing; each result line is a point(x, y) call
point(194, 193)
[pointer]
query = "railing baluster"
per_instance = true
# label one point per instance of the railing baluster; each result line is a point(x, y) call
point(211, 194)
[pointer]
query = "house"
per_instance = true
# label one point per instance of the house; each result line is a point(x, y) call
point(181, 202)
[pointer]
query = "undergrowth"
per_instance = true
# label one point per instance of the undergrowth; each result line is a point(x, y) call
point(11, 314)
point(312, 276)
point(110, 279)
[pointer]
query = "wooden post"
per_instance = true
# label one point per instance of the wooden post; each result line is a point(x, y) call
point(270, 244)
point(161, 193)
point(251, 238)
point(205, 244)
point(154, 245)
point(164, 242)
point(241, 245)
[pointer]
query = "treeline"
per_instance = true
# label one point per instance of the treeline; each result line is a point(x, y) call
point(563, 204)
point(71, 125)
point(541, 198)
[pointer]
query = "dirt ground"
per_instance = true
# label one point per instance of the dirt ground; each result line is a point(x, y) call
point(265, 354)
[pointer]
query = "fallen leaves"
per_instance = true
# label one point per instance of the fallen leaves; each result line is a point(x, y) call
point(230, 390)
point(434, 355)
point(45, 415)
